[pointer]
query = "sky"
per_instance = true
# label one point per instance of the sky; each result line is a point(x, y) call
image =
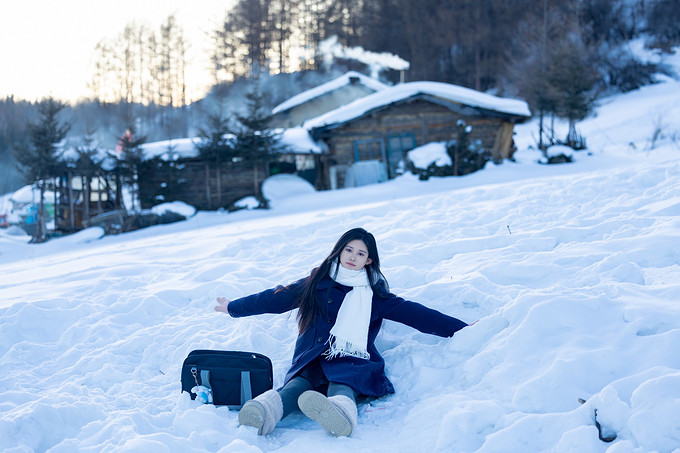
point(46, 45)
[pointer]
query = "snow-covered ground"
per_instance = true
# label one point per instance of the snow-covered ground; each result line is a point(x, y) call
point(573, 271)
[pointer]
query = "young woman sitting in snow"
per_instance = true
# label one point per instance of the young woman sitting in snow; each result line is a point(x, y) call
point(342, 304)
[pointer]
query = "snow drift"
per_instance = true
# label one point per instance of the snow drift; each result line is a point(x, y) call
point(572, 270)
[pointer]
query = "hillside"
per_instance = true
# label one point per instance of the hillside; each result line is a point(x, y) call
point(572, 270)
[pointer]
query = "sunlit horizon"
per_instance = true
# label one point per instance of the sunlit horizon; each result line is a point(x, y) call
point(48, 46)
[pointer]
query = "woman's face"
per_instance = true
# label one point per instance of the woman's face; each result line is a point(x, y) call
point(355, 255)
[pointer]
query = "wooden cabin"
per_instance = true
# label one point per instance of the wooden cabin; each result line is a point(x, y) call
point(88, 193)
point(173, 171)
point(380, 128)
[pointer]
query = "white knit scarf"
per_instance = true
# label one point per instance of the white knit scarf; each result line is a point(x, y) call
point(349, 335)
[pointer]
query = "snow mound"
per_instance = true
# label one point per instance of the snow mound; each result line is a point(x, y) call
point(432, 153)
point(248, 203)
point(14, 230)
point(572, 270)
point(559, 150)
point(83, 236)
point(284, 186)
point(178, 207)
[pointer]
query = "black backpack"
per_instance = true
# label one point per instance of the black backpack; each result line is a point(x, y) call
point(233, 376)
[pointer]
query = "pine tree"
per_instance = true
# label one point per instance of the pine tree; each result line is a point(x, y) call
point(254, 141)
point(40, 161)
point(130, 161)
point(216, 145)
point(88, 166)
point(571, 73)
point(215, 142)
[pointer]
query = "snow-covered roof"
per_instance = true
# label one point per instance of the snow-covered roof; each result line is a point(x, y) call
point(71, 155)
point(327, 87)
point(448, 92)
point(297, 139)
point(171, 149)
point(105, 156)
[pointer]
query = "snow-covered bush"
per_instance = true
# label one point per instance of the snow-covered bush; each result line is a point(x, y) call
point(558, 154)
point(456, 157)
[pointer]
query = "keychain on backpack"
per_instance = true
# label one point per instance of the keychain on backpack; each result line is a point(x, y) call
point(203, 392)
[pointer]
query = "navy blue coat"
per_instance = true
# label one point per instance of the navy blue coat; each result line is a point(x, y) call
point(367, 377)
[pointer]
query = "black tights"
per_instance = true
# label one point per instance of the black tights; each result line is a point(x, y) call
point(298, 385)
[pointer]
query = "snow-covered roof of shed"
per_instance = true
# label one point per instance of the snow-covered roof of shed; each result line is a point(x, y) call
point(327, 87)
point(452, 93)
point(297, 139)
point(105, 157)
point(172, 149)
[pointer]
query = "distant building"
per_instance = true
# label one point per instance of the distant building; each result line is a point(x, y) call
point(174, 170)
point(361, 141)
point(367, 140)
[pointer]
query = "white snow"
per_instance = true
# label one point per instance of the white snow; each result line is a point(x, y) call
point(30, 194)
point(298, 140)
point(284, 186)
point(84, 236)
point(432, 153)
point(572, 270)
point(559, 150)
point(171, 149)
point(403, 91)
point(327, 87)
point(248, 203)
point(178, 207)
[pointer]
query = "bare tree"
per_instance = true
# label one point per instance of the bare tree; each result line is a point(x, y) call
point(311, 30)
point(663, 20)
point(224, 53)
point(251, 24)
point(282, 16)
point(40, 160)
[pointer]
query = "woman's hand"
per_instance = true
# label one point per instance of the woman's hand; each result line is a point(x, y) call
point(222, 304)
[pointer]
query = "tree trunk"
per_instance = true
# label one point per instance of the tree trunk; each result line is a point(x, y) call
point(256, 186)
point(218, 172)
point(456, 153)
point(119, 191)
point(571, 135)
point(207, 185)
point(541, 145)
point(39, 233)
point(86, 199)
point(99, 195)
point(71, 204)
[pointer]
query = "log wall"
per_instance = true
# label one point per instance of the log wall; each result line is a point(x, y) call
point(204, 185)
point(425, 121)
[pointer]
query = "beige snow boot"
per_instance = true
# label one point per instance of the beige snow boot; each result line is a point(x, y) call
point(263, 412)
point(337, 414)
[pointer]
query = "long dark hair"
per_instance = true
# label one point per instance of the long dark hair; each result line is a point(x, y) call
point(308, 305)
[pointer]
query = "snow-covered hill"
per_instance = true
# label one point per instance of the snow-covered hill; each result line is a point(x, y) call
point(573, 271)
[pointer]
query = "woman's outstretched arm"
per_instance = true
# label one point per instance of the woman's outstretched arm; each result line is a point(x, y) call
point(275, 300)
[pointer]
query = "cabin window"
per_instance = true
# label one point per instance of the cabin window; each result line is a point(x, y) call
point(397, 146)
point(373, 149)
